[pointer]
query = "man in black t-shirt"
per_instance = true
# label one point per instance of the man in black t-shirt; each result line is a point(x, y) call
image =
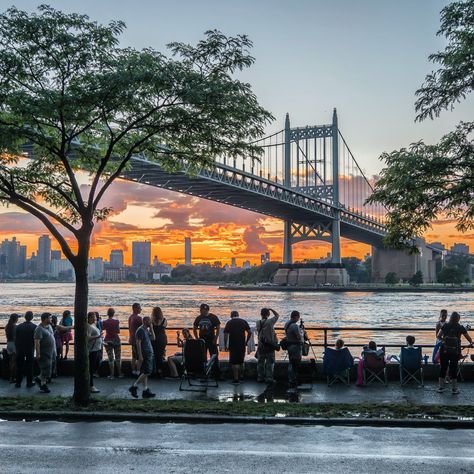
point(207, 326)
point(236, 336)
point(450, 351)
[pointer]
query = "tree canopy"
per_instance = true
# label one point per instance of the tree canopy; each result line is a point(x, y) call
point(78, 102)
point(422, 182)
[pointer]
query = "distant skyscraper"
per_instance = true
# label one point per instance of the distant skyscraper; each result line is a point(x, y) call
point(116, 258)
point(233, 263)
point(22, 259)
point(55, 254)
point(43, 265)
point(10, 256)
point(141, 253)
point(187, 251)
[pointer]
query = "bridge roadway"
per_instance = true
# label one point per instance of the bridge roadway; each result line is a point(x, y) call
point(228, 185)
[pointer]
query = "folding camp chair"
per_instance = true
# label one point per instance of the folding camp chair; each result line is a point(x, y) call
point(411, 368)
point(374, 368)
point(197, 369)
point(337, 365)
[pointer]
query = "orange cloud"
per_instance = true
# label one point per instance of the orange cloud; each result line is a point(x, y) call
point(218, 232)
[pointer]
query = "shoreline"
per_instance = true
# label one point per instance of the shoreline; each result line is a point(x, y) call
point(346, 289)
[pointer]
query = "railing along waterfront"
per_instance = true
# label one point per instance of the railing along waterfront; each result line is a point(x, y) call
point(321, 337)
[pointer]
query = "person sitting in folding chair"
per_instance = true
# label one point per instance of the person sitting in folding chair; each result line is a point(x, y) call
point(373, 364)
point(197, 369)
point(411, 368)
point(337, 363)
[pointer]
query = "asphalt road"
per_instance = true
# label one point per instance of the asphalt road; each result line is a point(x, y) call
point(106, 447)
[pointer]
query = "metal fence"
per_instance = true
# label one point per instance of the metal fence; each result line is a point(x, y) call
point(321, 337)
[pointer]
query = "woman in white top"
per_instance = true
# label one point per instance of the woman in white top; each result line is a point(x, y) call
point(94, 344)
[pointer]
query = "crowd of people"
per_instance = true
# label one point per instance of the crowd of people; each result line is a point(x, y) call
point(48, 343)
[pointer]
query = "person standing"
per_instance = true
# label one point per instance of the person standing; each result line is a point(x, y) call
point(236, 336)
point(94, 345)
point(443, 316)
point(45, 350)
point(207, 327)
point(10, 333)
point(267, 344)
point(66, 335)
point(159, 324)
point(450, 351)
point(144, 337)
point(25, 350)
point(113, 345)
point(295, 344)
point(134, 322)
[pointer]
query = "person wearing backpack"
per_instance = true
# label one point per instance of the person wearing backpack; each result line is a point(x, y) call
point(294, 344)
point(207, 326)
point(267, 345)
point(450, 351)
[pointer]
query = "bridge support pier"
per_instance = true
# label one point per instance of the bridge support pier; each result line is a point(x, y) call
point(336, 240)
point(287, 241)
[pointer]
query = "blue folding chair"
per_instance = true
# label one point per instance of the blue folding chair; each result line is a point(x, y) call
point(337, 365)
point(411, 368)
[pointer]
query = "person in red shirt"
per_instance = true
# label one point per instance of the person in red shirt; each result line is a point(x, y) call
point(112, 342)
point(134, 322)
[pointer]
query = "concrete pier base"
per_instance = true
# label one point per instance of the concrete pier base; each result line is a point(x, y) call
point(311, 275)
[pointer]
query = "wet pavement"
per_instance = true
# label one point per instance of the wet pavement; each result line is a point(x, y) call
point(106, 447)
point(251, 390)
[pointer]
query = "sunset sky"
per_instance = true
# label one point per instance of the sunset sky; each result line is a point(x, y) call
point(366, 58)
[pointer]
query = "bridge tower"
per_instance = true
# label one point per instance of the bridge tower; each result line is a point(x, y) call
point(309, 154)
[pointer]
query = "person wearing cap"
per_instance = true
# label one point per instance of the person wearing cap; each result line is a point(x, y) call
point(207, 326)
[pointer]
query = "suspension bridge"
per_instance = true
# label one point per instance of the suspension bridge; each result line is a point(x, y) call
point(307, 177)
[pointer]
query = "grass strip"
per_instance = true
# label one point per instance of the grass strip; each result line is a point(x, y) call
point(242, 408)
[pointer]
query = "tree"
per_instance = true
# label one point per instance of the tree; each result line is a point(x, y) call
point(451, 275)
point(424, 181)
point(416, 279)
point(81, 102)
point(391, 278)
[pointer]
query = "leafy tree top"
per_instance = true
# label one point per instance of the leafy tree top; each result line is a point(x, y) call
point(422, 182)
point(82, 102)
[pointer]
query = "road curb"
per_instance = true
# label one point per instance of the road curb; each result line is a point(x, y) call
point(91, 416)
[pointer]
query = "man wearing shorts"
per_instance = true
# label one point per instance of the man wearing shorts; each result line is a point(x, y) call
point(111, 326)
point(145, 356)
point(134, 322)
point(236, 336)
point(45, 346)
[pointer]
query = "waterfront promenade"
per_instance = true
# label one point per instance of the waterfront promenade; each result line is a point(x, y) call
point(252, 391)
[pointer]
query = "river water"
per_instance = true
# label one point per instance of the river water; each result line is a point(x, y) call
point(180, 306)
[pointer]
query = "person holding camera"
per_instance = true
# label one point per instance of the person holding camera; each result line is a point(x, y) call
point(267, 345)
point(295, 338)
point(451, 351)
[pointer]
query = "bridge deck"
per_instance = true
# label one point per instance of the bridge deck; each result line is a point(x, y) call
point(227, 185)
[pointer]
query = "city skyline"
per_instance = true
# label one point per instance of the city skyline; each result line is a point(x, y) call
point(374, 94)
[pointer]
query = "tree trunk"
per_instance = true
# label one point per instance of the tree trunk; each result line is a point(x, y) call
point(81, 353)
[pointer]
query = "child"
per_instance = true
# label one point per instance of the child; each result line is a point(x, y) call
point(410, 342)
point(339, 344)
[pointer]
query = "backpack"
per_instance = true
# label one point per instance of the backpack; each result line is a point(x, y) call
point(451, 343)
point(206, 328)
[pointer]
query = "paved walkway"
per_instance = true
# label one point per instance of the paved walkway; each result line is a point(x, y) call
point(106, 447)
point(251, 390)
